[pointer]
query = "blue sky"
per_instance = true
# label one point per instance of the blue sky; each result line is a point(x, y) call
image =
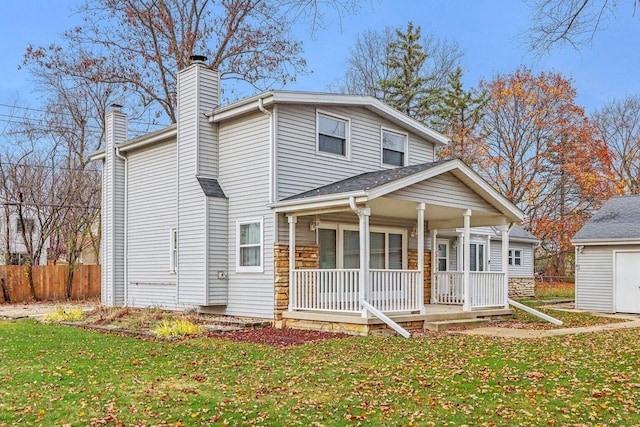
point(488, 32)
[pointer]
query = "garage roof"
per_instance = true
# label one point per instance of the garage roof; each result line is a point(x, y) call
point(617, 221)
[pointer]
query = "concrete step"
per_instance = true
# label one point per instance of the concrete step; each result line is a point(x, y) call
point(454, 315)
point(444, 325)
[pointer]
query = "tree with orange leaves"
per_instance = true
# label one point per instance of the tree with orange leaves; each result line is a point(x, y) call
point(543, 154)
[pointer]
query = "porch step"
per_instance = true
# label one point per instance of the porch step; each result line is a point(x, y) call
point(443, 325)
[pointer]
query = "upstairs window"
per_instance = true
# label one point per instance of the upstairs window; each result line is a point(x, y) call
point(333, 135)
point(515, 257)
point(394, 148)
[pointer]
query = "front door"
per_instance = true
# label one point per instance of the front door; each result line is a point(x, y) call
point(627, 282)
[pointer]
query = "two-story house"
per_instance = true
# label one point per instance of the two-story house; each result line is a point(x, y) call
point(311, 209)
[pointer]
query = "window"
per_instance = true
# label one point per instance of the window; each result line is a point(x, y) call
point(327, 241)
point(249, 245)
point(443, 255)
point(477, 257)
point(339, 247)
point(515, 257)
point(333, 135)
point(173, 251)
point(28, 225)
point(394, 148)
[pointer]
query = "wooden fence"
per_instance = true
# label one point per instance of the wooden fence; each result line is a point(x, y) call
point(50, 282)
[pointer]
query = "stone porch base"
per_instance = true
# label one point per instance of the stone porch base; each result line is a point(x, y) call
point(357, 325)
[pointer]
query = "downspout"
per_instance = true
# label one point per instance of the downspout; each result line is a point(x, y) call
point(365, 304)
point(271, 148)
point(125, 219)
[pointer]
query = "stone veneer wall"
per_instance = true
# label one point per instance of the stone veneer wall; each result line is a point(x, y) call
point(521, 287)
point(412, 264)
point(306, 257)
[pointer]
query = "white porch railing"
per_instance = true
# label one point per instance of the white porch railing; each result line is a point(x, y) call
point(486, 288)
point(448, 287)
point(395, 290)
point(327, 290)
point(338, 290)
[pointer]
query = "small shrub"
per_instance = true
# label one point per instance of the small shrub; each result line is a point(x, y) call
point(177, 328)
point(65, 315)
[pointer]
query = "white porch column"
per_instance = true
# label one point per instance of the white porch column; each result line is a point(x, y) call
point(434, 264)
point(363, 216)
point(292, 261)
point(505, 262)
point(460, 252)
point(467, 260)
point(487, 253)
point(421, 257)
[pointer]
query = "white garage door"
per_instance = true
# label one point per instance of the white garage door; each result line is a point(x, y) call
point(627, 282)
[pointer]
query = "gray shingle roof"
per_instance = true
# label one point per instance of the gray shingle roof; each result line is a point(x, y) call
point(366, 181)
point(618, 218)
point(211, 187)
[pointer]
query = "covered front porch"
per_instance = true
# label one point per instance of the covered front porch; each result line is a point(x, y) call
point(377, 252)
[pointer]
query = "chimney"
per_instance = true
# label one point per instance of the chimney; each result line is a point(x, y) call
point(113, 206)
point(197, 148)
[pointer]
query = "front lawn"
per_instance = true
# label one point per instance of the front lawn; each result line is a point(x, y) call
point(56, 375)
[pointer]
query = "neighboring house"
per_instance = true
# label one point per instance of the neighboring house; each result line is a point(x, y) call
point(211, 212)
point(12, 248)
point(486, 255)
point(608, 258)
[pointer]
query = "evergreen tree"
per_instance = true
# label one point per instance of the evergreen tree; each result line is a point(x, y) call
point(407, 87)
point(457, 115)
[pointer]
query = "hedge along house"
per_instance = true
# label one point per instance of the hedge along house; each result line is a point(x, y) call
point(211, 212)
point(608, 258)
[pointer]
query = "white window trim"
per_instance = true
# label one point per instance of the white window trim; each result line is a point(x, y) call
point(448, 257)
point(252, 268)
point(406, 147)
point(347, 132)
point(484, 252)
point(173, 250)
point(372, 229)
point(512, 257)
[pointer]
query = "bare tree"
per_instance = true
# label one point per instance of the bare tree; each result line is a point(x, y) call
point(369, 59)
point(140, 45)
point(618, 123)
point(554, 22)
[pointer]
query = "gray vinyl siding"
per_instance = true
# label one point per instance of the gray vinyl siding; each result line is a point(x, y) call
point(113, 206)
point(151, 215)
point(444, 190)
point(301, 168)
point(218, 249)
point(208, 141)
point(594, 278)
point(525, 270)
point(244, 176)
point(194, 132)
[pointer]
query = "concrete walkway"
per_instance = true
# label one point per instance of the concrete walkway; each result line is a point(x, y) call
point(36, 310)
point(631, 321)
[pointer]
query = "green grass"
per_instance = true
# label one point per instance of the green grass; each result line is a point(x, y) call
point(55, 375)
point(570, 319)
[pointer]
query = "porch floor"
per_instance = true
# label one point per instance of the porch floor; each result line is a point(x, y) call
point(356, 324)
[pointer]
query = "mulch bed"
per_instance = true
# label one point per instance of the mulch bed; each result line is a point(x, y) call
point(276, 337)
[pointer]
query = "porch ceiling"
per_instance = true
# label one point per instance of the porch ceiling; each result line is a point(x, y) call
point(437, 216)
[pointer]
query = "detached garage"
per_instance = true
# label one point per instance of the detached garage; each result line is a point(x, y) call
point(608, 258)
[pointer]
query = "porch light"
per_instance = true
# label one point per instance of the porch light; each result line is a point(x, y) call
point(314, 225)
